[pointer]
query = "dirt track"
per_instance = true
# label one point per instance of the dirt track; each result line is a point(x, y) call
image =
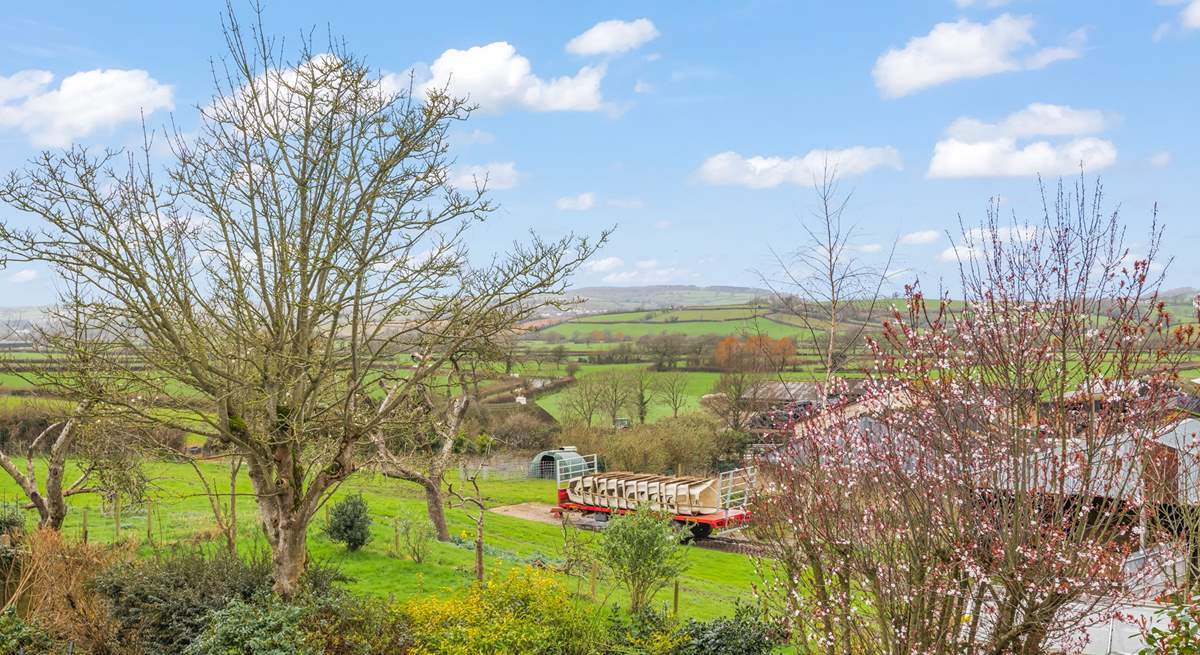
point(539, 512)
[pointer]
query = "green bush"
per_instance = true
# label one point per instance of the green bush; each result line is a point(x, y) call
point(523, 431)
point(416, 537)
point(337, 623)
point(747, 632)
point(17, 636)
point(349, 522)
point(12, 528)
point(342, 623)
point(264, 627)
point(693, 443)
point(646, 632)
point(12, 520)
point(1181, 632)
point(641, 552)
point(167, 600)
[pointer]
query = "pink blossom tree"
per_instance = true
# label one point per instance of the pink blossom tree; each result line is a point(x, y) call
point(985, 495)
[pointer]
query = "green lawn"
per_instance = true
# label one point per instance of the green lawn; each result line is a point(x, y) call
point(181, 515)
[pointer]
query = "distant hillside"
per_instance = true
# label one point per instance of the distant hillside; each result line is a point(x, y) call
point(1181, 294)
point(611, 299)
point(16, 322)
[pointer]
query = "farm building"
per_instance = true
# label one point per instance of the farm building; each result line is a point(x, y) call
point(776, 394)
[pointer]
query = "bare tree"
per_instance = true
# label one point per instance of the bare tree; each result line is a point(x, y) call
point(733, 398)
point(823, 281)
point(50, 499)
point(304, 231)
point(224, 511)
point(470, 499)
point(613, 393)
point(581, 401)
point(642, 392)
point(672, 388)
point(420, 449)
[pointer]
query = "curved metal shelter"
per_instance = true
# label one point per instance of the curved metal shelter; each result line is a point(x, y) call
point(545, 464)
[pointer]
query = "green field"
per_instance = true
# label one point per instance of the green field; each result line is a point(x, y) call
point(181, 516)
point(741, 312)
point(699, 383)
point(749, 326)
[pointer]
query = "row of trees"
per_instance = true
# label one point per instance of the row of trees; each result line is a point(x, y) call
point(754, 353)
point(611, 393)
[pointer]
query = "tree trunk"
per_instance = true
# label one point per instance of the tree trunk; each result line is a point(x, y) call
point(231, 531)
point(288, 537)
point(436, 508)
point(56, 503)
point(479, 548)
point(51, 506)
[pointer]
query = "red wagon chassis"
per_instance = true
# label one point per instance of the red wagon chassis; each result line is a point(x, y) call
point(702, 524)
point(702, 505)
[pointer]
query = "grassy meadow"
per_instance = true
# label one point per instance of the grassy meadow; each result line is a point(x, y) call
point(180, 517)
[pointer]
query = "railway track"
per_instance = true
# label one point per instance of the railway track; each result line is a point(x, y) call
point(731, 545)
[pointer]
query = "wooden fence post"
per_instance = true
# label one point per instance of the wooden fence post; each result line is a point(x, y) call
point(150, 523)
point(595, 574)
point(117, 517)
point(675, 602)
point(396, 535)
point(85, 525)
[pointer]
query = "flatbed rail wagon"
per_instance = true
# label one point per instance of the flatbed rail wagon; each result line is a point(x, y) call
point(704, 505)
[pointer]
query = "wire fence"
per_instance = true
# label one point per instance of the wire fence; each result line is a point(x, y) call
point(511, 469)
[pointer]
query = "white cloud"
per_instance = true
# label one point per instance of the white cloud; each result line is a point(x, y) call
point(1003, 158)
point(663, 225)
point(495, 77)
point(605, 265)
point(870, 247)
point(920, 237)
point(579, 203)
point(1036, 119)
point(626, 203)
point(1191, 15)
point(1160, 159)
point(1003, 233)
point(650, 271)
point(642, 87)
point(613, 37)
point(653, 56)
point(976, 240)
point(1046, 56)
point(496, 175)
point(974, 148)
point(82, 104)
point(963, 50)
point(958, 253)
point(24, 83)
point(990, 4)
point(477, 136)
point(23, 275)
point(759, 172)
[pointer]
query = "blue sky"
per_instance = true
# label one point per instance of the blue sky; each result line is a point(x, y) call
point(693, 127)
